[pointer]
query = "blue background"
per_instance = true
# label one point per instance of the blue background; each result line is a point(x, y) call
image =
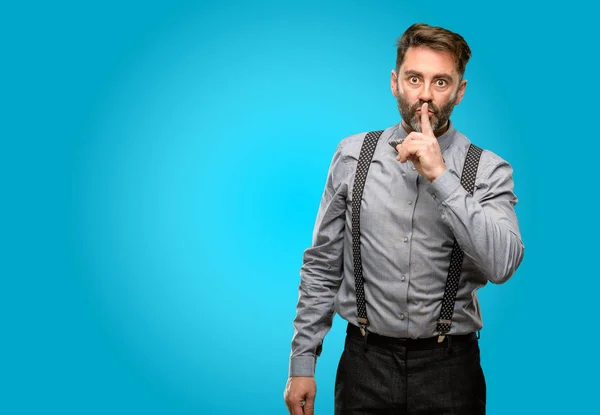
point(162, 165)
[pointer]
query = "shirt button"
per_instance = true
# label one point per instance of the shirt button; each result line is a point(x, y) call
point(410, 202)
point(402, 316)
point(405, 239)
point(403, 278)
point(434, 196)
point(413, 168)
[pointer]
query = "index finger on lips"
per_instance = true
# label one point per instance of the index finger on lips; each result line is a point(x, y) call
point(425, 124)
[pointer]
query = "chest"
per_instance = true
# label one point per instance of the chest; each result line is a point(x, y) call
point(395, 202)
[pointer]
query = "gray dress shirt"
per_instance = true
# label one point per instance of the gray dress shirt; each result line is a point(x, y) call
point(408, 225)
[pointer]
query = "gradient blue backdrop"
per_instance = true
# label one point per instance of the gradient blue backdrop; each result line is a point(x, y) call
point(162, 165)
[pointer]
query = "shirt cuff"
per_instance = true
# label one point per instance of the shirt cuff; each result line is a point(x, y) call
point(302, 365)
point(443, 187)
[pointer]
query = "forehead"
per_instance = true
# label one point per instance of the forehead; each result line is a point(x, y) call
point(428, 61)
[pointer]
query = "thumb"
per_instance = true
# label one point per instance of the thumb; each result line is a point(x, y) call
point(309, 407)
point(309, 404)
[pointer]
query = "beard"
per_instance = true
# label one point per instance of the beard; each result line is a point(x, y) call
point(439, 118)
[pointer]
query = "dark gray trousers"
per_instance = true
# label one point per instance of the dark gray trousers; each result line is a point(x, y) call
point(389, 379)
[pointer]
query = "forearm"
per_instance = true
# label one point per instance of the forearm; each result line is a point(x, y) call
point(314, 316)
point(486, 229)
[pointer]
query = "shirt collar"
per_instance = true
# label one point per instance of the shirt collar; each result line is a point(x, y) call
point(444, 140)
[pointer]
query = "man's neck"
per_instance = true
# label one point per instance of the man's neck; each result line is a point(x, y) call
point(437, 133)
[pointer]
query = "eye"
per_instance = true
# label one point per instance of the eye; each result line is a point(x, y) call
point(441, 83)
point(413, 80)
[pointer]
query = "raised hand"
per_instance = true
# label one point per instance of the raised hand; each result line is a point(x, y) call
point(423, 149)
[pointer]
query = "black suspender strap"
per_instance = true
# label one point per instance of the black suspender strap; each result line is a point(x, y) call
point(467, 180)
point(364, 161)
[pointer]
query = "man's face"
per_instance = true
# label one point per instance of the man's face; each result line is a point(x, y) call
point(427, 75)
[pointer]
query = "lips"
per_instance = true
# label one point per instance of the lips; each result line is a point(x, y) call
point(428, 112)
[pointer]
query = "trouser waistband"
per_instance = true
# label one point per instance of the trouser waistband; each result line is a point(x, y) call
point(410, 344)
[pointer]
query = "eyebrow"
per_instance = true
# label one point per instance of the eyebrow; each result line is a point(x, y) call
point(412, 72)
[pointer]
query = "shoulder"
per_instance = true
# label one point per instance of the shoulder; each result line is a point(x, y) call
point(488, 162)
point(351, 143)
point(349, 147)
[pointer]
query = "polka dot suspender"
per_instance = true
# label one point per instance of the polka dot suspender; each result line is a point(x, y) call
point(468, 182)
point(364, 161)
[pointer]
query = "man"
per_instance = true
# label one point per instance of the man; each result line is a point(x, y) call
point(411, 346)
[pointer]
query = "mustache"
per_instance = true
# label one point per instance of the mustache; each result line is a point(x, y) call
point(430, 105)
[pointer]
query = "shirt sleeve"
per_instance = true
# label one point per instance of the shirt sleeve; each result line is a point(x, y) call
point(321, 272)
point(484, 224)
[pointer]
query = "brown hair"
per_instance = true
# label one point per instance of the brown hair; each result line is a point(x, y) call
point(436, 38)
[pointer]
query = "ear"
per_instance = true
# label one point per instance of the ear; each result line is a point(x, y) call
point(394, 83)
point(461, 91)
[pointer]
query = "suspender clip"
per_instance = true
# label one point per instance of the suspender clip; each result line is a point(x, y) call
point(362, 324)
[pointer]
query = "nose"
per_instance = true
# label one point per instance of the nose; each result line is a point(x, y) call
point(425, 93)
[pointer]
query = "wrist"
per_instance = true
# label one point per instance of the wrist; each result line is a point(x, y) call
point(437, 173)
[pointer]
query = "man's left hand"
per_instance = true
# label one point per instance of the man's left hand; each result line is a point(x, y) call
point(423, 149)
